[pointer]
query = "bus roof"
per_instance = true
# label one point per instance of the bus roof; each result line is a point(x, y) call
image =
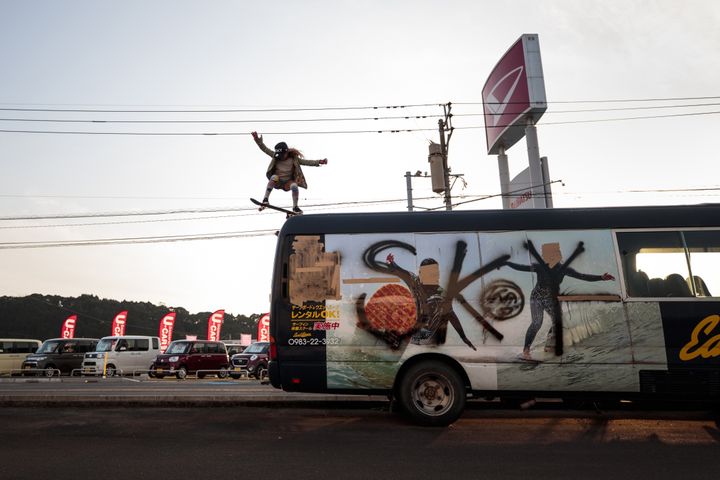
point(682, 216)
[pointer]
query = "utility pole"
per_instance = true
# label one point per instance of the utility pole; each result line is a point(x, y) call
point(438, 158)
point(408, 183)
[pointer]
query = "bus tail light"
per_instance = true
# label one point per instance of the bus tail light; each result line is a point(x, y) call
point(273, 348)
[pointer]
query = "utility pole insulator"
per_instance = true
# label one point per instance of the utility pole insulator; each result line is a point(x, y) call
point(437, 168)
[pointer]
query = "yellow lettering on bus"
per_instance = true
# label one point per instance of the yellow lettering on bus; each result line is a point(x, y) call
point(710, 347)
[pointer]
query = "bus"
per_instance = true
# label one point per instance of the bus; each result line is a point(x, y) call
point(433, 308)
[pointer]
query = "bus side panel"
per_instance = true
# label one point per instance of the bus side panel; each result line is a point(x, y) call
point(357, 358)
point(692, 345)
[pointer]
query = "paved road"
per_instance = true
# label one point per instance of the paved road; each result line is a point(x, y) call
point(300, 443)
point(149, 392)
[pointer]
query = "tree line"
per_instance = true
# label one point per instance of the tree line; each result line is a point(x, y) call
point(41, 316)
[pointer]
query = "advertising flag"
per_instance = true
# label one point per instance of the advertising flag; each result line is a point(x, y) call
point(68, 328)
point(215, 324)
point(166, 328)
point(263, 332)
point(118, 325)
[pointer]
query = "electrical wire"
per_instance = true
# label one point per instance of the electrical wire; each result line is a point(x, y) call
point(623, 100)
point(134, 240)
point(334, 132)
point(223, 110)
point(335, 108)
point(286, 120)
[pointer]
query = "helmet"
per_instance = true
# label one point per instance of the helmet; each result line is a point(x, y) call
point(280, 149)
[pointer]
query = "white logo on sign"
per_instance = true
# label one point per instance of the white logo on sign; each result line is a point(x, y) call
point(496, 106)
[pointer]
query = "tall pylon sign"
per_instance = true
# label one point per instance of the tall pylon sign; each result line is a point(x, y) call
point(513, 102)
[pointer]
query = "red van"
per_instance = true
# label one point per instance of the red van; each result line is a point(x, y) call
point(199, 357)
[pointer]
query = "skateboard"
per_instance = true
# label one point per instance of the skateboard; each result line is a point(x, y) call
point(287, 212)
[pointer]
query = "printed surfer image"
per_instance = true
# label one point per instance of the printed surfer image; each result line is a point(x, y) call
point(426, 321)
point(550, 271)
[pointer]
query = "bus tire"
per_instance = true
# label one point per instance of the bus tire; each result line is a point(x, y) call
point(432, 393)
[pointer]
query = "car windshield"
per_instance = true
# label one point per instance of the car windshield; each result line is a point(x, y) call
point(178, 347)
point(49, 347)
point(105, 345)
point(259, 347)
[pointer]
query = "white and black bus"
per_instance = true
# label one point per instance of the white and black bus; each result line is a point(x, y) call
point(432, 308)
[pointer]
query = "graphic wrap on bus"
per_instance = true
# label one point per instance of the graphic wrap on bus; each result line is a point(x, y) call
point(624, 310)
point(481, 298)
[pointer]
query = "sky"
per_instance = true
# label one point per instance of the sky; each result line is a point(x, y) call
point(132, 75)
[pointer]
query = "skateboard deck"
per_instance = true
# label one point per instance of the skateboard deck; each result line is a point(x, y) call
point(287, 212)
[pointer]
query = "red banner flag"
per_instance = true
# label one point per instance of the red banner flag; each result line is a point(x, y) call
point(215, 324)
point(68, 328)
point(166, 328)
point(118, 325)
point(263, 333)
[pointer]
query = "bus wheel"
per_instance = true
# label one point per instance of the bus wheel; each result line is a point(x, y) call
point(432, 393)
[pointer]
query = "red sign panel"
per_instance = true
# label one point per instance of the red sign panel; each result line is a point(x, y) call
point(68, 328)
point(166, 328)
point(118, 325)
point(263, 333)
point(513, 93)
point(215, 324)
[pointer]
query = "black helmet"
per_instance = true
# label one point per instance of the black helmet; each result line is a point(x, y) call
point(280, 149)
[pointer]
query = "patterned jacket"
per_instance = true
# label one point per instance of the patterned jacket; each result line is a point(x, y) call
point(297, 161)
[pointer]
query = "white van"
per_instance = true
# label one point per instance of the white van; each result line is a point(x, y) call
point(13, 352)
point(126, 355)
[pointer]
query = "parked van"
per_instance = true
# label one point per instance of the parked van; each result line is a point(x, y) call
point(58, 355)
point(126, 355)
point(13, 351)
point(254, 361)
point(192, 356)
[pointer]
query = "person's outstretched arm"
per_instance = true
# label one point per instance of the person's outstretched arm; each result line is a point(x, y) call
point(313, 163)
point(259, 141)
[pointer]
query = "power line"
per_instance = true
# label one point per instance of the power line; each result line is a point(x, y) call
point(335, 108)
point(222, 110)
point(58, 216)
point(134, 240)
point(334, 132)
point(596, 110)
point(623, 100)
point(334, 119)
point(126, 222)
point(286, 120)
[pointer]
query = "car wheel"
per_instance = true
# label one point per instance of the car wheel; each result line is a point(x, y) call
point(223, 372)
point(261, 372)
point(110, 370)
point(432, 393)
point(49, 371)
point(181, 373)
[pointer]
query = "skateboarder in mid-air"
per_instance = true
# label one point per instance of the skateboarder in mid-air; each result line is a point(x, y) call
point(284, 171)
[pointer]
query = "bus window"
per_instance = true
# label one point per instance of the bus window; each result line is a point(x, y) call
point(704, 253)
point(671, 264)
point(654, 263)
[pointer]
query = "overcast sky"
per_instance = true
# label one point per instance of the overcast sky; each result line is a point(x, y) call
point(184, 56)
